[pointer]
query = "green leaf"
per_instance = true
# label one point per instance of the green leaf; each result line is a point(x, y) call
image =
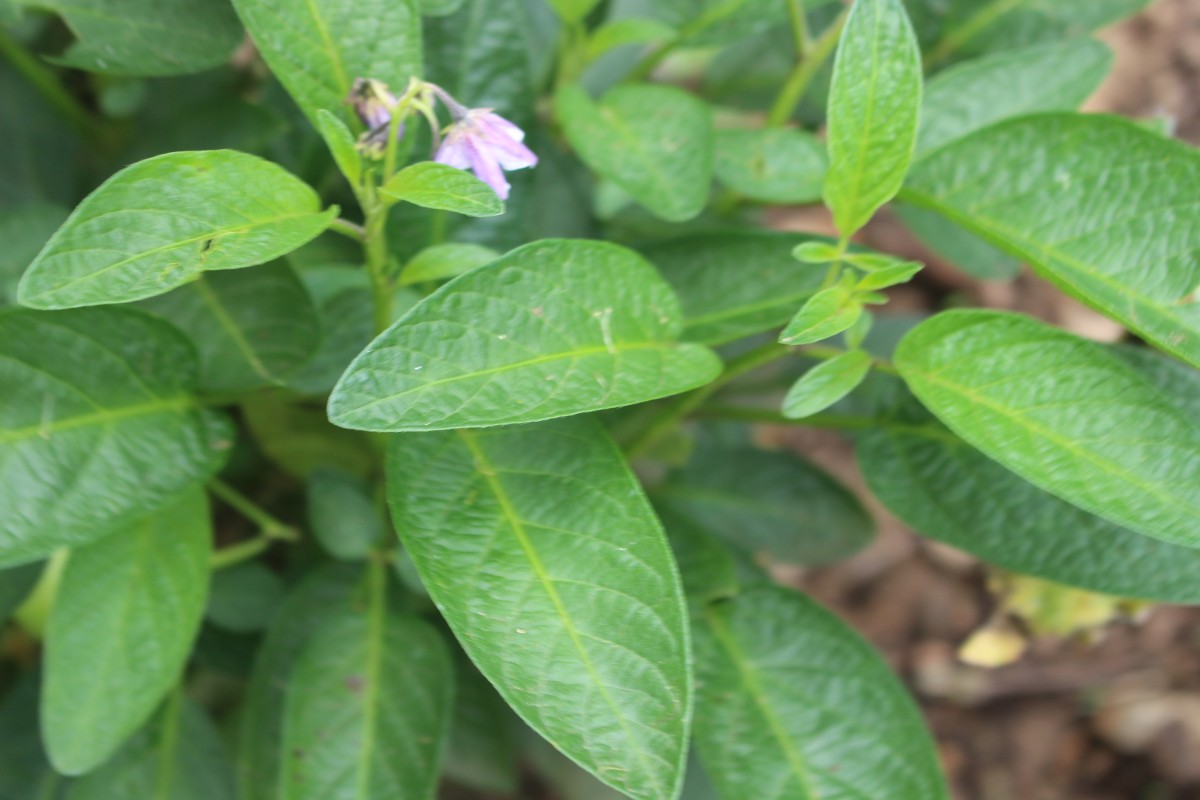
point(734, 284)
point(627, 31)
point(244, 597)
point(892, 275)
point(946, 490)
point(146, 37)
point(771, 165)
point(341, 145)
point(874, 104)
point(24, 231)
point(251, 328)
point(342, 514)
point(962, 248)
point(708, 568)
point(792, 704)
point(344, 315)
point(317, 49)
point(97, 428)
point(123, 623)
point(368, 710)
point(481, 752)
point(974, 94)
point(768, 502)
point(825, 384)
point(432, 185)
point(180, 214)
point(177, 756)
point(827, 313)
point(655, 142)
point(817, 253)
point(443, 261)
point(482, 350)
point(322, 597)
point(1062, 412)
point(721, 21)
point(540, 550)
point(1120, 238)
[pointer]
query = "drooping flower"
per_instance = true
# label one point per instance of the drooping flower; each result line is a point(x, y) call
point(485, 143)
point(373, 103)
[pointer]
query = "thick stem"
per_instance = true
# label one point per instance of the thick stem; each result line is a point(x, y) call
point(376, 246)
point(349, 229)
point(805, 70)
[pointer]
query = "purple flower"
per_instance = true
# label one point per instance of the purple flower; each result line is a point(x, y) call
point(486, 144)
point(373, 103)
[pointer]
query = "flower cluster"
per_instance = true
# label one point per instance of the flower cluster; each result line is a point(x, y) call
point(476, 139)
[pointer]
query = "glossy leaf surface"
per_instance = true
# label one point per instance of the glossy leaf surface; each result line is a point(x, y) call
point(553, 328)
point(539, 549)
point(161, 222)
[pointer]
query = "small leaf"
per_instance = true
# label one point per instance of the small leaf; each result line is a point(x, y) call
point(251, 327)
point(874, 104)
point(1062, 412)
point(323, 596)
point(655, 142)
point(486, 350)
point(432, 185)
point(244, 597)
point(771, 165)
point(1042, 188)
point(827, 313)
point(825, 384)
point(123, 623)
point(793, 704)
point(317, 49)
point(544, 557)
point(443, 261)
point(768, 503)
point(98, 428)
point(817, 252)
point(341, 145)
point(1057, 76)
point(180, 214)
point(342, 514)
point(897, 273)
point(177, 756)
point(735, 284)
point(626, 31)
point(368, 710)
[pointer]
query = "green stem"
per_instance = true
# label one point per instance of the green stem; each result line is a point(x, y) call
point(268, 525)
point(799, 27)
point(803, 73)
point(975, 24)
point(375, 243)
point(672, 415)
point(47, 84)
point(237, 553)
point(349, 229)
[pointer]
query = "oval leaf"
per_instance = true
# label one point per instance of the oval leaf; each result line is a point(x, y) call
point(433, 185)
point(368, 710)
point(1062, 412)
point(1042, 188)
point(123, 623)
point(772, 165)
point(825, 384)
point(443, 261)
point(827, 313)
point(874, 105)
point(553, 328)
point(538, 547)
point(793, 705)
point(161, 222)
point(97, 428)
point(655, 142)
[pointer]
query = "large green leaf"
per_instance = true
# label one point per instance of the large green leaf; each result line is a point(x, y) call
point(1099, 205)
point(368, 710)
point(1064, 413)
point(147, 37)
point(735, 284)
point(161, 222)
point(23, 232)
point(772, 165)
point(540, 550)
point(793, 705)
point(317, 49)
point(772, 502)
point(322, 597)
point(177, 756)
point(122, 625)
point(980, 92)
point(553, 328)
point(945, 489)
point(874, 104)
point(655, 142)
point(96, 427)
point(251, 327)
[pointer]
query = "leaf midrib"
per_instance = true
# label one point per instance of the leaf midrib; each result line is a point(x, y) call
point(102, 417)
